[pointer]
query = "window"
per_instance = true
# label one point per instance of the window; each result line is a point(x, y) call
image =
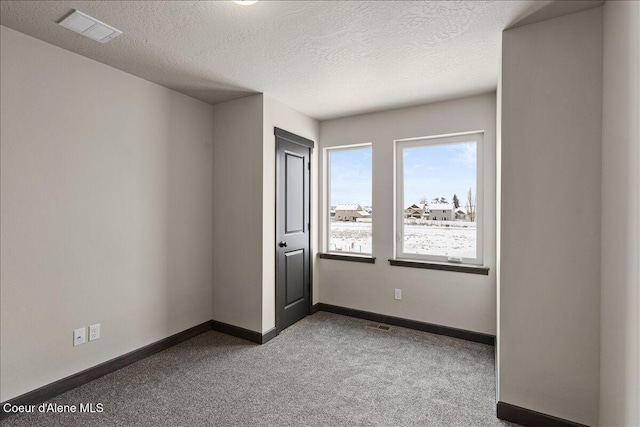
point(348, 200)
point(439, 198)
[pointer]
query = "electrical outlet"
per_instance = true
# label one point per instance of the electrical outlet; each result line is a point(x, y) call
point(94, 332)
point(398, 294)
point(79, 336)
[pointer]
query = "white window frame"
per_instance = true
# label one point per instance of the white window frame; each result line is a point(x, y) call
point(399, 146)
point(327, 195)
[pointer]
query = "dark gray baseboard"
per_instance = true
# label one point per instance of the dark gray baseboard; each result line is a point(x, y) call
point(49, 391)
point(243, 333)
point(529, 418)
point(314, 309)
point(410, 324)
point(269, 335)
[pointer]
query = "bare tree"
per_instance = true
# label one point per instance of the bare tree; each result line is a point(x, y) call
point(471, 205)
point(424, 202)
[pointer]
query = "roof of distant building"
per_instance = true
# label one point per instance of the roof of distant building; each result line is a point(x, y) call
point(349, 207)
point(441, 206)
point(415, 206)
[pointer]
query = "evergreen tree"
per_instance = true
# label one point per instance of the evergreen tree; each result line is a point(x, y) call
point(456, 202)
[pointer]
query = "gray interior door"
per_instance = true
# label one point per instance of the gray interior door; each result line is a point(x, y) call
point(293, 225)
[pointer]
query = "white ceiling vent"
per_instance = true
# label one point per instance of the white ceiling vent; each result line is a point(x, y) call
point(90, 27)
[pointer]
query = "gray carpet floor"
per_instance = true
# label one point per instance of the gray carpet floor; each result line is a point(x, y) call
point(326, 370)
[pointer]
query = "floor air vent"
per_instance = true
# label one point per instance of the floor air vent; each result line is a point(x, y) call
point(378, 327)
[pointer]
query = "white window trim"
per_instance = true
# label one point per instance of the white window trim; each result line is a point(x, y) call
point(326, 220)
point(399, 145)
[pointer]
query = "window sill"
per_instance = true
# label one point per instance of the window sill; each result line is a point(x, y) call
point(350, 257)
point(459, 268)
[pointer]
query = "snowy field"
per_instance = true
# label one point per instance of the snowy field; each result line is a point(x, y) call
point(451, 238)
point(350, 236)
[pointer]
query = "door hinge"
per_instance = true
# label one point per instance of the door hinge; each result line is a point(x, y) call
point(309, 165)
point(308, 227)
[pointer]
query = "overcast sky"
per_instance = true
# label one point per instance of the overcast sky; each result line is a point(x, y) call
point(432, 171)
point(351, 176)
point(439, 171)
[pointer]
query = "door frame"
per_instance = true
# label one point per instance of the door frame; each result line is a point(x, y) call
point(291, 137)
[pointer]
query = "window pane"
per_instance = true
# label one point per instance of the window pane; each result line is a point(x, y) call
point(350, 215)
point(440, 200)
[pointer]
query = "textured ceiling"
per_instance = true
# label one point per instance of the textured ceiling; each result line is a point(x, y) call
point(325, 58)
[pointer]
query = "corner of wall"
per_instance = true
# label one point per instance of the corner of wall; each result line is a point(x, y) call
point(120, 193)
point(238, 226)
point(277, 114)
point(620, 229)
point(549, 340)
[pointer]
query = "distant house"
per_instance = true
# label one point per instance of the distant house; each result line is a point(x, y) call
point(461, 214)
point(442, 212)
point(416, 211)
point(350, 212)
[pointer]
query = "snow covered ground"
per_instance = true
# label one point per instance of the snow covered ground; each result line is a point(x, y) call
point(440, 240)
point(350, 236)
point(450, 238)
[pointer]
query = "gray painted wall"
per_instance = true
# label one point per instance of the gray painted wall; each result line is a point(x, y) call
point(244, 207)
point(106, 209)
point(620, 324)
point(549, 339)
point(460, 300)
point(237, 214)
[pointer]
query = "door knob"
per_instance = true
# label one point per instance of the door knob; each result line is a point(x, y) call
point(282, 244)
